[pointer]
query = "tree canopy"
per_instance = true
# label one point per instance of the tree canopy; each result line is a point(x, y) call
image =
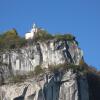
point(11, 40)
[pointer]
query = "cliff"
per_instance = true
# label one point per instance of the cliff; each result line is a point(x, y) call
point(58, 86)
point(44, 54)
point(58, 59)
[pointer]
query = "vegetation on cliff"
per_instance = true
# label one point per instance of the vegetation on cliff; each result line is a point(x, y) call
point(11, 40)
point(43, 35)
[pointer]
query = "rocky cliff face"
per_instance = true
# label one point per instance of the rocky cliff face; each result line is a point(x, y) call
point(45, 54)
point(64, 85)
point(58, 86)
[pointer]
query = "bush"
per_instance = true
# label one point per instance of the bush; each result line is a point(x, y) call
point(53, 68)
point(66, 66)
point(18, 78)
point(75, 67)
point(64, 36)
point(11, 40)
point(30, 74)
point(21, 42)
point(42, 35)
point(38, 70)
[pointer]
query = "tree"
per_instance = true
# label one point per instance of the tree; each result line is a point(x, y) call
point(11, 40)
point(43, 35)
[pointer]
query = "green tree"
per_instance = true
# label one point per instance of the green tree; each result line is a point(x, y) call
point(11, 40)
point(43, 35)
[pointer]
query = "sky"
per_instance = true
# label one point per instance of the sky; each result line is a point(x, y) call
point(79, 17)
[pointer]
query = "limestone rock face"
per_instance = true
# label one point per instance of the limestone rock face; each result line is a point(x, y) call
point(51, 52)
point(58, 86)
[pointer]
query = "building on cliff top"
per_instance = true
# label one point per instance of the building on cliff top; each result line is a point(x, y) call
point(31, 34)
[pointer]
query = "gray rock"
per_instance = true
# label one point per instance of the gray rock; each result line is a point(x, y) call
point(61, 86)
point(43, 54)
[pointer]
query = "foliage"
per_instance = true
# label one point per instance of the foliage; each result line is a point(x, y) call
point(38, 70)
point(82, 68)
point(76, 68)
point(11, 40)
point(53, 68)
point(22, 42)
point(43, 35)
point(18, 78)
point(65, 66)
point(64, 36)
point(30, 74)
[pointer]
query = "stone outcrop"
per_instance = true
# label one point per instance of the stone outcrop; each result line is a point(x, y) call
point(61, 85)
point(44, 54)
point(58, 86)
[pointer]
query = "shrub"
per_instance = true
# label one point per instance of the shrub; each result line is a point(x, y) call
point(81, 62)
point(53, 68)
point(38, 70)
point(30, 74)
point(11, 40)
point(42, 35)
point(69, 36)
point(64, 36)
point(18, 78)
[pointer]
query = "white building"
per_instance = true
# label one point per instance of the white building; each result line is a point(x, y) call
point(31, 34)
